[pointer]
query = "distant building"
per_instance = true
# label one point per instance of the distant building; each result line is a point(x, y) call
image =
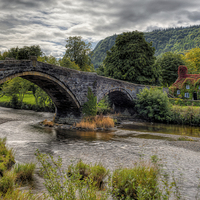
point(187, 86)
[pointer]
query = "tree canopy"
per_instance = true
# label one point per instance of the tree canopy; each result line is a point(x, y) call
point(169, 63)
point(132, 59)
point(78, 51)
point(192, 60)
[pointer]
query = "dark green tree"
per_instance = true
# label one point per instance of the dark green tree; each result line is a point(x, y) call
point(132, 59)
point(169, 63)
point(24, 52)
point(78, 51)
point(90, 107)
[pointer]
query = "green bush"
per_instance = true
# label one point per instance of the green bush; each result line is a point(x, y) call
point(7, 159)
point(24, 172)
point(90, 107)
point(139, 182)
point(96, 173)
point(153, 104)
point(7, 182)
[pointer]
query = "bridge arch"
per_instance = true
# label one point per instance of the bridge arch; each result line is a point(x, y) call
point(120, 99)
point(64, 100)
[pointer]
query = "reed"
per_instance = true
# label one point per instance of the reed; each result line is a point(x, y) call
point(92, 123)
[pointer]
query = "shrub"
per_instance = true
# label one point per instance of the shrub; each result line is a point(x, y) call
point(96, 173)
point(6, 157)
point(90, 107)
point(24, 172)
point(7, 182)
point(139, 182)
point(153, 104)
point(19, 195)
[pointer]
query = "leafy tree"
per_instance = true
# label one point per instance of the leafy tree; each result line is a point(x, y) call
point(90, 107)
point(132, 59)
point(169, 63)
point(24, 52)
point(66, 62)
point(78, 52)
point(153, 104)
point(192, 60)
point(48, 59)
point(17, 86)
point(101, 70)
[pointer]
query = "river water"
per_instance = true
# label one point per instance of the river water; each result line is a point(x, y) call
point(122, 147)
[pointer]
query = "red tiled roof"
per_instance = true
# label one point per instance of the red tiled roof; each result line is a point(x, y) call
point(184, 77)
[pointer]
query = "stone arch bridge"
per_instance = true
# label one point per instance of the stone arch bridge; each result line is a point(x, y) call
point(68, 88)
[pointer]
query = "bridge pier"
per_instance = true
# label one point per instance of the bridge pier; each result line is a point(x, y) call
point(67, 117)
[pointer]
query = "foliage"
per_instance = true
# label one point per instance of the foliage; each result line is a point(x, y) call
point(17, 86)
point(78, 52)
point(48, 59)
point(103, 107)
point(192, 60)
point(23, 53)
point(153, 104)
point(92, 123)
point(176, 40)
point(90, 107)
point(128, 56)
point(66, 62)
point(100, 70)
point(96, 173)
point(24, 172)
point(99, 52)
point(7, 182)
point(169, 63)
point(60, 186)
point(19, 195)
point(139, 182)
point(6, 157)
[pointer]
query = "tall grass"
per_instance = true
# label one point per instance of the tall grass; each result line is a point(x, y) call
point(92, 123)
point(7, 182)
point(139, 182)
point(6, 157)
point(24, 172)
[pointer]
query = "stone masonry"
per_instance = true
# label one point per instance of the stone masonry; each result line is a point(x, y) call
point(68, 88)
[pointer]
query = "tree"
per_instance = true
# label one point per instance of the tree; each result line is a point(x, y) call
point(132, 59)
point(48, 59)
point(17, 86)
point(169, 63)
point(192, 60)
point(78, 52)
point(90, 107)
point(24, 52)
point(153, 104)
point(66, 62)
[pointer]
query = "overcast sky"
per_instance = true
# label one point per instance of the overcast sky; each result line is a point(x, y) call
point(49, 22)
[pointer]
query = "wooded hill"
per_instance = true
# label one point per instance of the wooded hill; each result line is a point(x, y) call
point(176, 40)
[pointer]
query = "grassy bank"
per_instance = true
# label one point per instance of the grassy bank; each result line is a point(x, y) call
point(28, 103)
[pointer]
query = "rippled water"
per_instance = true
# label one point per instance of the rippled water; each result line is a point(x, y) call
point(163, 128)
point(113, 149)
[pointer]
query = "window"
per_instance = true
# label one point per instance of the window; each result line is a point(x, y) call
point(187, 95)
point(178, 92)
point(187, 86)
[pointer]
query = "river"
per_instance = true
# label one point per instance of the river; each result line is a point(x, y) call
point(121, 147)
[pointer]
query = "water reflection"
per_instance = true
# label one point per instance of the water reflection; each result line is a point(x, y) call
point(163, 128)
point(65, 134)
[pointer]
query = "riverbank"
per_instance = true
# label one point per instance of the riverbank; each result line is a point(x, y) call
point(112, 148)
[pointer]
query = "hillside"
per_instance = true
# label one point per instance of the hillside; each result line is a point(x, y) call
point(172, 39)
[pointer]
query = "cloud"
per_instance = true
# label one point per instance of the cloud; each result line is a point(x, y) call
point(48, 22)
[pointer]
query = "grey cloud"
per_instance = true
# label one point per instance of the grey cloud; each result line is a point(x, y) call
point(49, 22)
